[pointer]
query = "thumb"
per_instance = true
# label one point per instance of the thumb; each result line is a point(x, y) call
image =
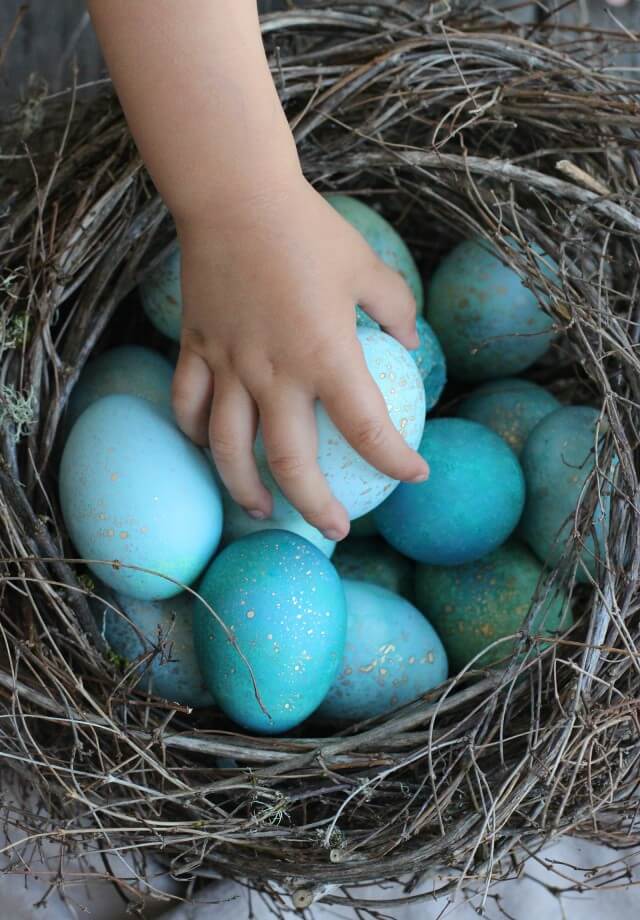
point(387, 299)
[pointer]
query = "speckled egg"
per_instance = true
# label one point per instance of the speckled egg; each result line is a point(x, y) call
point(557, 460)
point(161, 296)
point(284, 604)
point(163, 631)
point(371, 559)
point(473, 606)
point(511, 407)
point(488, 323)
point(383, 239)
point(470, 504)
point(129, 369)
point(133, 488)
point(392, 656)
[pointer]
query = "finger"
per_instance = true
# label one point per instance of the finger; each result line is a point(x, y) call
point(364, 421)
point(288, 428)
point(387, 298)
point(191, 394)
point(232, 434)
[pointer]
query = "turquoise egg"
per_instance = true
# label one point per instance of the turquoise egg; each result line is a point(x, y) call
point(283, 602)
point(161, 296)
point(371, 559)
point(488, 323)
point(392, 656)
point(134, 489)
point(163, 631)
point(470, 504)
point(511, 407)
point(383, 239)
point(472, 606)
point(557, 460)
point(364, 526)
point(129, 369)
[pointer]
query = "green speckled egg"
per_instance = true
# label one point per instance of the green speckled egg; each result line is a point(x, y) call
point(511, 407)
point(471, 606)
point(371, 559)
point(161, 296)
point(488, 323)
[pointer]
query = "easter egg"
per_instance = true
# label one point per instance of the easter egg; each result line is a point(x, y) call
point(472, 606)
point(557, 460)
point(166, 629)
point(283, 603)
point(470, 504)
point(511, 407)
point(134, 489)
point(386, 242)
point(129, 369)
point(364, 526)
point(371, 559)
point(392, 655)
point(488, 323)
point(161, 296)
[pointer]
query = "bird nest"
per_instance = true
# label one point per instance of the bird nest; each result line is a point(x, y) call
point(457, 122)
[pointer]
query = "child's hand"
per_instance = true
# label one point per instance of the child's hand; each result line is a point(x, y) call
point(268, 328)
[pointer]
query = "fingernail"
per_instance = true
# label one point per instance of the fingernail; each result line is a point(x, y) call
point(256, 514)
point(421, 477)
point(332, 533)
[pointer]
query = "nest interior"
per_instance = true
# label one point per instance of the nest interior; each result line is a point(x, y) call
point(456, 124)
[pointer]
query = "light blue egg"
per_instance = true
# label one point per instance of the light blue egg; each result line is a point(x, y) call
point(488, 323)
point(557, 460)
point(162, 632)
point(133, 488)
point(284, 604)
point(128, 369)
point(161, 296)
point(392, 656)
point(470, 504)
point(511, 407)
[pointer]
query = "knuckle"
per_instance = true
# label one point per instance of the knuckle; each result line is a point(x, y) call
point(288, 466)
point(223, 448)
point(370, 434)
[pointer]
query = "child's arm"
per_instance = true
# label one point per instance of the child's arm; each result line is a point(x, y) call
point(271, 272)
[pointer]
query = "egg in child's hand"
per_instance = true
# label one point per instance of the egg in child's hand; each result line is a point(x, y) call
point(283, 603)
point(161, 296)
point(371, 559)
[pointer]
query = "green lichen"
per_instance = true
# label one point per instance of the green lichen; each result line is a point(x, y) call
point(17, 410)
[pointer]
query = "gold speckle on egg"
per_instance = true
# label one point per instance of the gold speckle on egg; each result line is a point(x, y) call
point(124, 534)
point(250, 614)
point(114, 476)
point(411, 659)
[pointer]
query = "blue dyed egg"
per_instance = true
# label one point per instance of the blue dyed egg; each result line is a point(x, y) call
point(161, 296)
point(470, 504)
point(162, 632)
point(392, 656)
point(488, 323)
point(511, 407)
point(284, 604)
point(557, 460)
point(133, 488)
point(364, 526)
point(129, 369)
point(371, 559)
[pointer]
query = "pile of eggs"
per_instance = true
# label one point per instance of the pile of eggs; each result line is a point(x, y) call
point(269, 621)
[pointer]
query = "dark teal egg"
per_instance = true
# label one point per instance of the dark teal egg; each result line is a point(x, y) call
point(511, 407)
point(371, 559)
point(488, 323)
point(161, 296)
point(364, 526)
point(284, 604)
point(470, 504)
point(475, 605)
point(392, 656)
point(557, 460)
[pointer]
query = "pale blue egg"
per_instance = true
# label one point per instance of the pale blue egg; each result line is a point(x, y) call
point(162, 632)
point(161, 296)
point(129, 369)
point(134, 489)
point(392, 656)
point(284, 604)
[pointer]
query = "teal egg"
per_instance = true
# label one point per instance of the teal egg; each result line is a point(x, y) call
point(470, 504)
point(557, 460)
point(161, 296)
point(128, 369)
point(488, 323)
point(392, 656)
point(162, 630)
point(511, 407)
point(364, 526)
point(284, 604)
point(383, 239)
point(134, 489)
point(472, 606)
point(371, 559)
